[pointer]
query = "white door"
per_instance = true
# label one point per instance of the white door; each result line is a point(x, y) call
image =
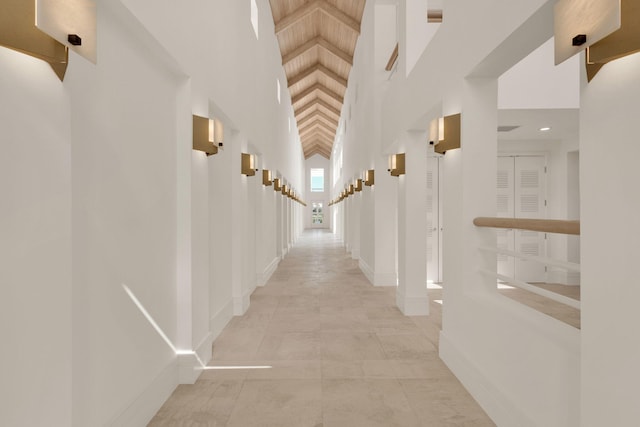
point(521, 194)
point(530, 203)
point(506, 194)
point(433, 219)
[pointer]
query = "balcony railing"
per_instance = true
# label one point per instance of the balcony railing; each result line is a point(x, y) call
point(540, 225)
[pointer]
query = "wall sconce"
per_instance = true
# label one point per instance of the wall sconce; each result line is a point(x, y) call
point(248, 164)
point(579, 24)
point(276, 185)
point(358, 185)
point(448, 128)
point(217, 132)
point(396, 164)
point(619, 43)
point(18, 31)
point(202, 135)
point(350, 189)
point(266, 177)
point(369, 177)
point(70, 22)
point(284, 189)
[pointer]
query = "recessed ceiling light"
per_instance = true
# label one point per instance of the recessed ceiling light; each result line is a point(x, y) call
point(545, 129)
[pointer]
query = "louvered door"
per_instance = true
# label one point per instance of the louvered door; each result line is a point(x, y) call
point(521, 194)
point(530, 203)
point(506, 193)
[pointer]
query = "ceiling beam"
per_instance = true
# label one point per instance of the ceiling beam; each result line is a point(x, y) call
point(317, 67)
point(314, 152)
point(318, 133)
point(303, 75)
point(340, 16)
point(315, 130)
point(308, 8)
point(314, 88)
point(333, 76)
point(318, 140)
point(319, 149)
point(328, 107)
point(301, 50)
point(318, 103)
point(334, 50)
point(297, 15)
point(318, 114)
point(317, 123)
point(317, 145)
point(317, 41)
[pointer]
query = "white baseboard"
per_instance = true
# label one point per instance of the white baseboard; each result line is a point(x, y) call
point(190, 365)
point(268, 271)
point(219, 320)
point(385, 279)
point(366, 270)
point(412, 306)
point(494, 402)
point(563, 277)
point(147, 404)
point(241, 304)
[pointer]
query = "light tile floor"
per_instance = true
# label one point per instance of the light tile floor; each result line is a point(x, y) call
point(340, 355)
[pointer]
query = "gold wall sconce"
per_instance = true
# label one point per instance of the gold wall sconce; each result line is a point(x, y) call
point(218, 132)
point(70, 22)
point(47, 29)
point(351, 189)
point(396, 164)
point(203, 135)
point(266, 178)
point(248, 164)
point(276, 185)
point(358, 185)
point(580, 23)
point(607, 29)
point(620, 43)
point(445, 133)
point(434, 16)
point(369, 177)
point(284, 190)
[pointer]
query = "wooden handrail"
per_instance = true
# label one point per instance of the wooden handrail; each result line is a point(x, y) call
point(392, 59)
point(542, 225)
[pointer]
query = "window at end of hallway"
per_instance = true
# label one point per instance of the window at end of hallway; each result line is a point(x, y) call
point(254, 17)
point(317, 180)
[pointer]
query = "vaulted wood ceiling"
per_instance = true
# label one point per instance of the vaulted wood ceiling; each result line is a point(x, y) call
point(317, 39)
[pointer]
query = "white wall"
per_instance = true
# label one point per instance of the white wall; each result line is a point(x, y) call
point(124, 135)
point(535, 82)
point(35, 248)
point(106, 157)
point(609, 228)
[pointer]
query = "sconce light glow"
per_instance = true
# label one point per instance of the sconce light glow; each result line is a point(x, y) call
point(166, 339)
point(211, 133)
point(146, 314)
point(545, 129)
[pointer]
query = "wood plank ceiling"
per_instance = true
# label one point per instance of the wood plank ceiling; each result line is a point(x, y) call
point(317, 39)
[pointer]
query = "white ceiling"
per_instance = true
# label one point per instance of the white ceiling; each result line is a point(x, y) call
point(564, 124)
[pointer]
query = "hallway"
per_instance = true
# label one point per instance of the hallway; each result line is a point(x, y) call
point(320, 346)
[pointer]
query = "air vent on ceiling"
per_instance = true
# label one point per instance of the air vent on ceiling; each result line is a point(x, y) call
point(507, 128)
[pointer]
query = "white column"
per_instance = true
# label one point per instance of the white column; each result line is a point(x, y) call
point(610, 203)
point(411, 295)
point(386, 229)
point(355, 224)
